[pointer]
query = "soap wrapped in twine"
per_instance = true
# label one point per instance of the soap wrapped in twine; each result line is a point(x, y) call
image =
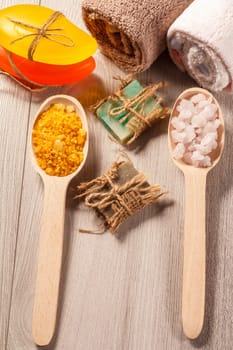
point(135, 106)
point(44, 32)
point(117, 195)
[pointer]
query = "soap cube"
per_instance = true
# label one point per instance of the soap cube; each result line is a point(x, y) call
point(118, 124)
point(124, 191)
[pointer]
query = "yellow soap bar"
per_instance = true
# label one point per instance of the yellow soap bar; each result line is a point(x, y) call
point(43, 35)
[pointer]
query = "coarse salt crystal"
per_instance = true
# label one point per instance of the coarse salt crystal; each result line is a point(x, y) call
point(197, 156)
point(197, 98)
point(185, 115)
point(178, 124)
point(178, 136)
point(185, 105)
point(205, 162)
point(179, 150)
point(210, 112)
point(189, 134)
point(209, 138)
point(187, 158)
point(199, 121)
point(192, 147)
point(198, 139)
point(216, 123)
point(199, 131)
point(211, 126)
point(203, 104)
point(206, 149)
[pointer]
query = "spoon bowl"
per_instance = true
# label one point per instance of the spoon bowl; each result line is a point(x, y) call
point(216, 154)
point(194, 265)
point(52, 234)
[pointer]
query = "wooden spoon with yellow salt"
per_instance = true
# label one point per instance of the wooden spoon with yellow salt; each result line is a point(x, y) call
point(59, 150)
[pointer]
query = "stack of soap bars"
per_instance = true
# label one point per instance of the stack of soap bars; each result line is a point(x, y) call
point(40, 46)
point(131, 110)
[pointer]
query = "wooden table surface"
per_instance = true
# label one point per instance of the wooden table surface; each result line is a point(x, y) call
point(116, 293)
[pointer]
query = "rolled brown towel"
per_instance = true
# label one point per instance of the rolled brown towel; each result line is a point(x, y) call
point(131, 33)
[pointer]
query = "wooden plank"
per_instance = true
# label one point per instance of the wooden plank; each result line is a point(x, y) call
point(14, 105)
point(14, 123)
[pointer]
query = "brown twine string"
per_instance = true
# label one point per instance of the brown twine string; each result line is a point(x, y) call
point(124, 200)
point(131, 105)
point(115, 193)
point(86, 188)
point(21, 83)
point(43, 32)
point(38, 86)
point(135, 106)
point(96, 232)
point(124, 81)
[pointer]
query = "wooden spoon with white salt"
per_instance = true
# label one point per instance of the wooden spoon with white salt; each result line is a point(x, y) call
point(194, 267)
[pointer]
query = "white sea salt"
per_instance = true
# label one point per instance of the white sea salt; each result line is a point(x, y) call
point(206, 149)
point(188, 158)
point(209, 112)
point(209, 138)
point(211, 126)
point(199, 131)
point(192, 147)
point(199, 121)
point(203, 104)
point(185, 115)
point(195, 130)
point(178, 124)
point(198, 139)
point(178, 136)
point(185, 105)
point(196, 155)
point(197, 98)
point(205, 162)
point(179, 150)
point(189, 133)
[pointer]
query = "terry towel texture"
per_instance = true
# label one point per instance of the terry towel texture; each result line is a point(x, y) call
point(132, 33)
point(200, 41)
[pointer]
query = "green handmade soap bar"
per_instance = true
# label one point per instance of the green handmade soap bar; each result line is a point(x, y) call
point(117, 124)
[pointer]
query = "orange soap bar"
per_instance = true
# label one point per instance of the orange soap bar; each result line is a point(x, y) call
point(47, 74)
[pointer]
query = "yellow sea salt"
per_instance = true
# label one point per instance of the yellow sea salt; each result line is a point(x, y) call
point(58, 139)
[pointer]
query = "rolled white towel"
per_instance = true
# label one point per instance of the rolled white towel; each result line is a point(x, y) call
point(200, 41)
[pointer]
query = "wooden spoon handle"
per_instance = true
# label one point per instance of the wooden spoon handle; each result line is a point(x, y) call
point(49, 262)
point(193, 297)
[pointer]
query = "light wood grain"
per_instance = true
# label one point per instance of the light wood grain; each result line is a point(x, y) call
point(12, 168)
point(116, 294)
point(194, 266)
point(49, 261)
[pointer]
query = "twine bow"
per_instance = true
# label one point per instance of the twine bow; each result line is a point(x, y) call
point(115, 201)
point(134, 105)
point(132, 111)
point(43, 32)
